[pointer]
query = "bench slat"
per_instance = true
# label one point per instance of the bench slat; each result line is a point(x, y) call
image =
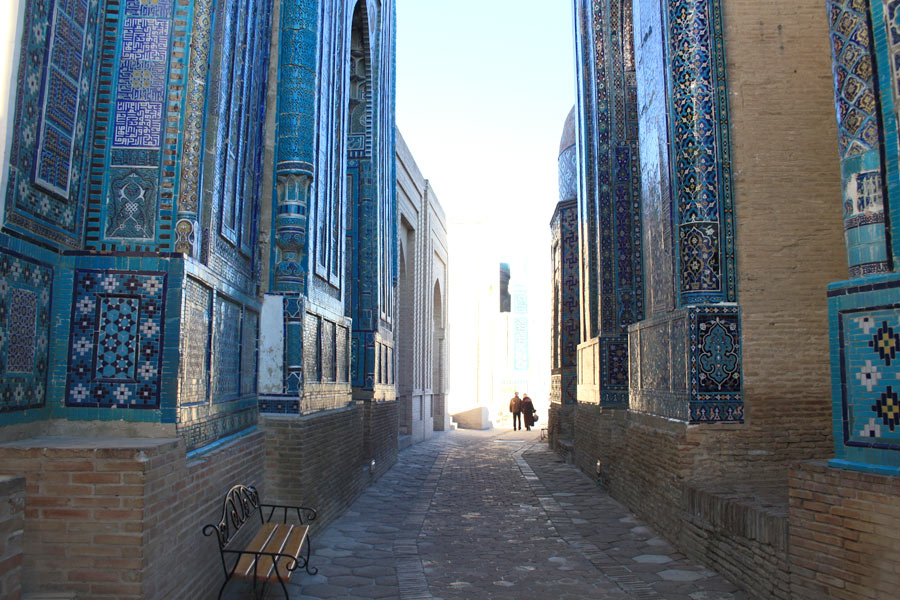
point(244, 568)
point(276, 539)
point(291, 547)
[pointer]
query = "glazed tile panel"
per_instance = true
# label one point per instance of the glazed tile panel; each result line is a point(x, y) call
point(656, 202)
point(686, 365)
point(46, 192)
point(864, 321)
point(25, 292)
point(226, 384)
point(871, 405)
point(117, 329)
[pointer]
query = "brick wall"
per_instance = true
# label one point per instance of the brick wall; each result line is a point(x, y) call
point(316, 460)
point(845, 539)
point(122, 518)
point(679, 487)
point(789, 227)
point(12, 524)
point(381, 435)
point(181, 497)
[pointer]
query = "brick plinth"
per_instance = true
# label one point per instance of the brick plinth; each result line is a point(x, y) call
point(316, 460)
point(121, 518)
point(740, 528)
point(845, 533)
point(12, 525)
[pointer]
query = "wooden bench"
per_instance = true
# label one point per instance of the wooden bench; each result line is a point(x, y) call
point(274, 553)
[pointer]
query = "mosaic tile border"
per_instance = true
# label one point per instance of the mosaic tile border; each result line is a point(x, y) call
point(26, 290)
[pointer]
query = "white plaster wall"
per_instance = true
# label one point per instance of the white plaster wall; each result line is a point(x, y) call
point(271, 345)
point(418, 206)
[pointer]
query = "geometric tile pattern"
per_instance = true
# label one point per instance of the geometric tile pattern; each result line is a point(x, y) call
point(860, 136)
point(143, 60)
point(296, 142)
point(855, 96)
point(226, 350)
point(141, 69)
point(131, 212)
point(870, 349)
point(117, 327)
point(570, 322)
point(46, 188)
point(25, 292)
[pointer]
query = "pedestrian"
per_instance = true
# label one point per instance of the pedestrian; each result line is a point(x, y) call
point(515, 407)
point(529, 412)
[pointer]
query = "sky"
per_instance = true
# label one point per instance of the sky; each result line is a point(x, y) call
point(483, 90)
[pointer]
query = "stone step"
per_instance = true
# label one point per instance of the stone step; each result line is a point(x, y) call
point(50, 596)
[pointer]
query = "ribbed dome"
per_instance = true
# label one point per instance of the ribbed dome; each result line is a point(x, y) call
point(568, 176)
point(568, 135)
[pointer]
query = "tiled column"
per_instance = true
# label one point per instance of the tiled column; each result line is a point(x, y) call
point(685, 357)
point(864, 312)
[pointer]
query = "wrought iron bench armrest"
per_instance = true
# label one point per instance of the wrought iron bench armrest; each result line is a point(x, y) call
point(310, 513)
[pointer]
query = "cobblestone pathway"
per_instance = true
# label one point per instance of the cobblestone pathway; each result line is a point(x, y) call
point(495, 515)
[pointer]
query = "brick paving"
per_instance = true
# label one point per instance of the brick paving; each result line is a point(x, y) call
point(494, 514)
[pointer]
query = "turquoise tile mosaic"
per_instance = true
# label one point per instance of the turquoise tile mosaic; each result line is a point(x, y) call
point(864, 317)
point(117, 328)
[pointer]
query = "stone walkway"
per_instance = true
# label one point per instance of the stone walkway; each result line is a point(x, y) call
point(494, 514)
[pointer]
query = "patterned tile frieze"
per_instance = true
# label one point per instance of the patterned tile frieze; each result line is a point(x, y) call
point(117, 332)
point(25, 294)
point(46, 193)
point(186, 229)
point(855, 100)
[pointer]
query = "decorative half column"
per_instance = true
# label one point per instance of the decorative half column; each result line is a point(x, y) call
point(612, 294)
point(864, 312)
point(685, 357)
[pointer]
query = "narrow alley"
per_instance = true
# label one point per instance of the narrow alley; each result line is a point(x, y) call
point(494, 514)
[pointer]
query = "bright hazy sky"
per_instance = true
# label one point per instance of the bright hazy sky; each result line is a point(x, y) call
point(483, 90)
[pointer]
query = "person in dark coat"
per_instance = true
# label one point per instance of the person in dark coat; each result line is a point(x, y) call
point(515, 407)
point(528, 411)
